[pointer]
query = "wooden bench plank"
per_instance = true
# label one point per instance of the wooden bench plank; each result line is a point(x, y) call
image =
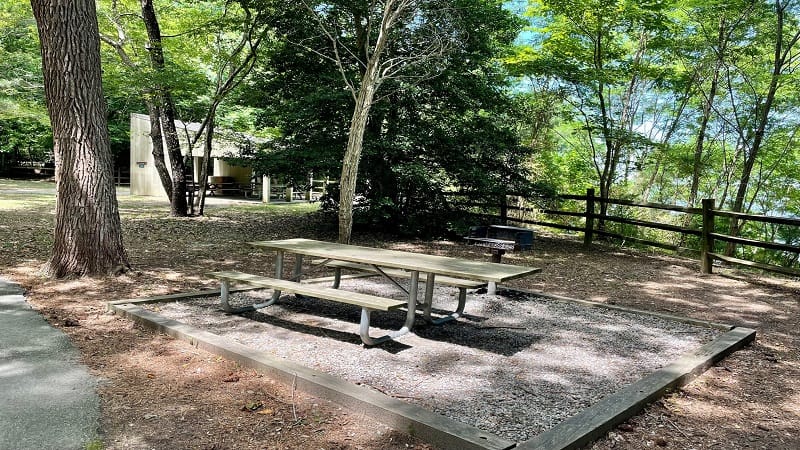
point(352, 298)
point(450, 281)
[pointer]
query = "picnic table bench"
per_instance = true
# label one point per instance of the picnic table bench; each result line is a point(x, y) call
point(368, 303)
point(391, 274)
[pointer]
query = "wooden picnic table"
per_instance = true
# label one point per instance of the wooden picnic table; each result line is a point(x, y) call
point(390, 264)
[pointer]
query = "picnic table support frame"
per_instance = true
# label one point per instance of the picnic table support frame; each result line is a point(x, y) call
point(224, 293)
point(363, 329)
point(278, 272)
point(385, 275)
point(428, 303)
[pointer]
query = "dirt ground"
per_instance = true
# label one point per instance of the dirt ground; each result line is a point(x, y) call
point(157, 392)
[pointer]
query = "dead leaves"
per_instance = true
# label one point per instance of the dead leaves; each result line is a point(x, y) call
point(252, 406)
point(258, 407)
point(231, 378)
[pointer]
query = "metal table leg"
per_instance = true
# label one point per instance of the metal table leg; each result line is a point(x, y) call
point(428, 303)
point(224, 293)
point(363, 329)
point(298, 267)
point(337, 277)
point(278, 272)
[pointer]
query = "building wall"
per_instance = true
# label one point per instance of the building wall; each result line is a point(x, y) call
point(144, 176)
point(241, 174)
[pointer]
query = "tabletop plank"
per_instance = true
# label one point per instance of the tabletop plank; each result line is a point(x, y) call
point(440, 265)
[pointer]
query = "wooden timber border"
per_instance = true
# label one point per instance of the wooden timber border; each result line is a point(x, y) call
point(575, 432)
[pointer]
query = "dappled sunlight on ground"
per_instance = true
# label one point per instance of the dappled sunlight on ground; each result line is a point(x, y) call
point(751, 399)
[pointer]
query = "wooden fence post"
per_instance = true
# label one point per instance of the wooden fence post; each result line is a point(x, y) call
point(589, 230)
point(289, 193)
point(504, 210)
point(707, 240)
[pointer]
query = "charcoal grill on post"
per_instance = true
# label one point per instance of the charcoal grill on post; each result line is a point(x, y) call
point(500, 238)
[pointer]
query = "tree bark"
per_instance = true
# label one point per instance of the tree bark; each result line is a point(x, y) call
point(205, 165)
point(352, 154)
point(87, 232)
point(370, 80)
point(157, 141)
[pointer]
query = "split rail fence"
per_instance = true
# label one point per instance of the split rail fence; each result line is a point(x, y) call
point(699, 230)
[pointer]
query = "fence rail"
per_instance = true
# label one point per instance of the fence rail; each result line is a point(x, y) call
point(708, 232)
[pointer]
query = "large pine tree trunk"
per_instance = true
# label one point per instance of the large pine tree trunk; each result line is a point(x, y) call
point(88, 237)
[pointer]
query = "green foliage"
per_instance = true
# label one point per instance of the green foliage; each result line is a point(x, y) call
point(24, 124)
point(425, 135)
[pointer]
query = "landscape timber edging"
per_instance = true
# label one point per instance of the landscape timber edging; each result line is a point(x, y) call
point(433, 428)
point(573, 433)
point(595, 421)
point(169, 297)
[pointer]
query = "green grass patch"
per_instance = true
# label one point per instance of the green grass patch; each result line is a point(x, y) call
point(277, 208)
point(7, 183)
point(26, 203)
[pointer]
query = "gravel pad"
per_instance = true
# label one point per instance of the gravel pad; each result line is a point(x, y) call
point(515, 365)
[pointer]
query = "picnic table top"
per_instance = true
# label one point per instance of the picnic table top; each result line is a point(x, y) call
point(440, 265)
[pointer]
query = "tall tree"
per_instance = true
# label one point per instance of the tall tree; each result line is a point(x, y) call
point(445, 123)
point(235, 58)
point(375, 26)
point(164, 106)
point(753, 127)
point(88, 235)
point(604, 55)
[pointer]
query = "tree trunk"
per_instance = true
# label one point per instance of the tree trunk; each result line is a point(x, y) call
point(606, 175)
point(762, 113)
point(178, 205)
point(722, 43)
point(370, 80)
point(207, 144)
point(157, 141)
point(352, 154)
point(87, 236)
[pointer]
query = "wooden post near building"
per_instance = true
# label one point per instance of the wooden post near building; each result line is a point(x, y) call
point(266, 188)
point(589, 228)
point(707, 239)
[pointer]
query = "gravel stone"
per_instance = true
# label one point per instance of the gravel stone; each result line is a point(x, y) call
point(515, 365)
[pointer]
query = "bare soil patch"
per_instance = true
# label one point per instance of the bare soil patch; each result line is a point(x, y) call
point(161, 393)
